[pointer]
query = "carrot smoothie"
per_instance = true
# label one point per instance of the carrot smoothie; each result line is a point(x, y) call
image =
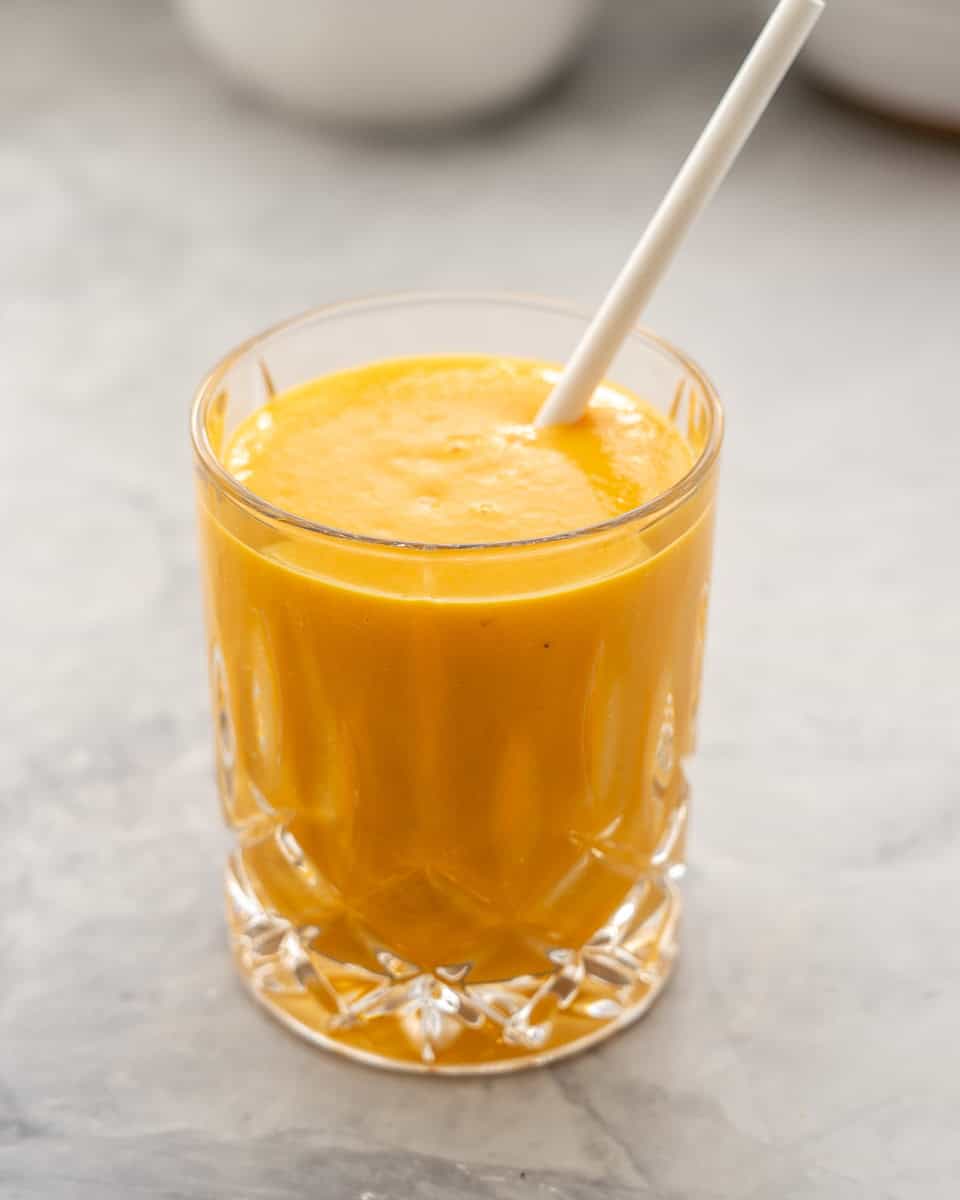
point(455, 670)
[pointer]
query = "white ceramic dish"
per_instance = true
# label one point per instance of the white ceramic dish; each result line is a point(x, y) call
point(899, 56)
point(391, 62)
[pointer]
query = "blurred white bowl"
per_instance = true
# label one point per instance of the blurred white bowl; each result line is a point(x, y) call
point(391, 62)
point(901, 56)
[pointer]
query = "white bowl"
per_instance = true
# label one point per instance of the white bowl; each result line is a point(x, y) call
point(391, 62)
point(902, 56)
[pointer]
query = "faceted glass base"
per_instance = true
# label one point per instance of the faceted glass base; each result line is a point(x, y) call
point(438, 1021)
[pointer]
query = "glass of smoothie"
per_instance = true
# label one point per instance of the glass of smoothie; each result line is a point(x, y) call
point(455, 664)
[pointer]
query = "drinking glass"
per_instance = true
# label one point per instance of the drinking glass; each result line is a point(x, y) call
point(453, 774)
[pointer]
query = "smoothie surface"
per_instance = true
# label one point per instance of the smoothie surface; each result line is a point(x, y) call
point(443, 450)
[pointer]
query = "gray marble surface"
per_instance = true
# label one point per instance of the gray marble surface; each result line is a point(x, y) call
point(151, 218)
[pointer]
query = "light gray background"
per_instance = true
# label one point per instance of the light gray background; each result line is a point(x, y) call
point(150, 219)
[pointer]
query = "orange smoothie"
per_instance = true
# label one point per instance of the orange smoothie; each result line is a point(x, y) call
point(451, 757)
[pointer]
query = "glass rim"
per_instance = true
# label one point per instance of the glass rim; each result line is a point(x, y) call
point(208, 390)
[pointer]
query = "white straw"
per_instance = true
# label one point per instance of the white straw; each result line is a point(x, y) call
point(700, 176)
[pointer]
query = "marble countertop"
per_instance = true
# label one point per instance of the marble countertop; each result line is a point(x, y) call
point(151, 218)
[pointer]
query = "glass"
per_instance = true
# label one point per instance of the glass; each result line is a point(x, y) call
point(453, 774)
